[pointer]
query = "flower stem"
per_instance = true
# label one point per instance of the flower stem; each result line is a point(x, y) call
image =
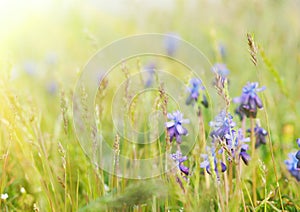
point(230, 178)
point(239, 181)
point(202, 131)
point(252, 120)
point(244, 126)
point(221, 200)
point(258, 73)
point(225, 183)
point(202, 140)
point(178, 147)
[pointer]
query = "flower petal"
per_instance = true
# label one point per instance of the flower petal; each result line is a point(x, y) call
point(245, 157)
point(184, 169)
point(170, 116)
point(258, 102)
point(204, 164)
point(170, 124)
point(185, 121)
point(298, 155)
point(223, 167)
point(180, 129)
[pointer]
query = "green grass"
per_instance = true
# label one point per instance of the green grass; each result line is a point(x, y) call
point(39, 149)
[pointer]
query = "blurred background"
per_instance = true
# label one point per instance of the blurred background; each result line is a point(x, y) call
point(45, 44)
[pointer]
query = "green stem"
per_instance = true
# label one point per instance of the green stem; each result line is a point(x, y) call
point(258, 73)
point(230, 178)
point(225, 183)
point(253, 161)
point(221, 200)
point(273, 160)
point(239, 182)
point(203, 141)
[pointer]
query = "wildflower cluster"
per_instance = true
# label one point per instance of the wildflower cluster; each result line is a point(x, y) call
point(229, 147)
point(176, 131)
point(222, 125)
point(232, 141)
point(225, 139)
point(216, 162)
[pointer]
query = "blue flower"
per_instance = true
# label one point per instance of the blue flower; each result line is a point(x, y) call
point(222, 125)
point(171, 43)
point(174, 127)
point(298, 154)
point(244, 155)
point(298, 158)
point(206, 164)
point(52, 87)
point(221, 69)
point(249, 100)
point(177, 157)
point(298, 141)
point(221, 72)
point(194, 92)
point(222, 50)
point(260, 135)
point(293, 165)
point(240, 113)
point(236, 142)
point(223, 167)
point(150, 70)
point(223, 129)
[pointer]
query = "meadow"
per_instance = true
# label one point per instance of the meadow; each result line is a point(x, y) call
point(157, 134)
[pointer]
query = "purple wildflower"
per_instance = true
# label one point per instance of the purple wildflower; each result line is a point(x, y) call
point(236, 142)
point(240, 113)
point(206, 164)
point(194, 92)
point(171, 43)
point(221, 69)
point(52, 87)
point(223, 167)
point(245, 156)
point(150, 70)
point(222, 125)
point(221, 72)
point(240, 142)
point(260, 135)
point(222, 50)
point(298, 154)
point(249, 100)
point(298, 157)
point(174, 127)
point(293, 165)
point(177, 157)
point(298, 141)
